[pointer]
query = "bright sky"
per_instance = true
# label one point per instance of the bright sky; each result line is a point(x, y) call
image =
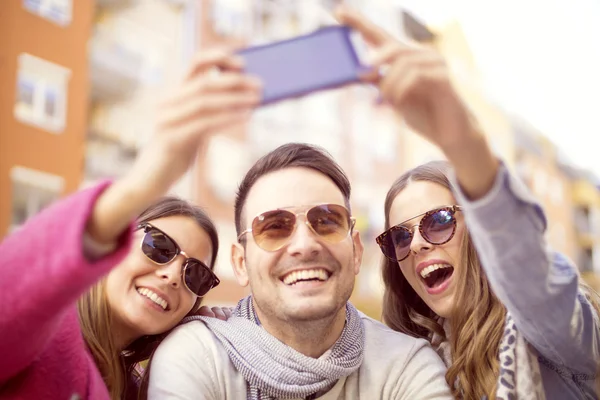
point(540, 59)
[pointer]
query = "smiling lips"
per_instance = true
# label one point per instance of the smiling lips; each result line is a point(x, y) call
point(435, 274)
point(314, 274)
point(154, 297)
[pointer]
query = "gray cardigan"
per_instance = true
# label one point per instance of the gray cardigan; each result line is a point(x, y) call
point(539, 288)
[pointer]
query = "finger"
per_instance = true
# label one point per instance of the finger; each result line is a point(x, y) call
point(194, 88)
point(405, 67)
point(371, 76)
point(219, 313)
point(388, 53)
point(198, 128)
point(205, 311)
point(201, 106)
point(198, 88)
point(214, 58)
point(228, 311)
point(397, 84)
point(228, 80)
point(372, 33)
point(417, 84)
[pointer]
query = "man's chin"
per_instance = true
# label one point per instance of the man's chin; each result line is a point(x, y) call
point(313, 310)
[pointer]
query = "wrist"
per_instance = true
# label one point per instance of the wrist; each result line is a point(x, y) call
point(474, 163)
point(119, 205)
point(471, 139)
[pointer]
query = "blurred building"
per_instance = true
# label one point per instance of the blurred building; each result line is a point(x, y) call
point(537, 165)
point(137, 51)
point(586, 200)
point(88, 75)
point(570, 197)
point(43, 104)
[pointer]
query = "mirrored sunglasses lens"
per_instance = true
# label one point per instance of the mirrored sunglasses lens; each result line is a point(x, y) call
point(198, 277)
point(438, 226)
point(387, 247)
point(158, 247)
point(272, 230)
point(401, 239)
point(330, 221)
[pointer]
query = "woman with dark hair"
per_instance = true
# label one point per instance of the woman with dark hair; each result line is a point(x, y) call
point(91, 285)
point(119, 317)
point(467, 265)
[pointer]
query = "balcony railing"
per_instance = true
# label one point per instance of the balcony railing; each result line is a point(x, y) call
point(115, 68)
point(114, 3)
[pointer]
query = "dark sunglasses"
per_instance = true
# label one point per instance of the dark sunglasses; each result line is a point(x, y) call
point(161, 250)
point(272, 230)
point(436, 227)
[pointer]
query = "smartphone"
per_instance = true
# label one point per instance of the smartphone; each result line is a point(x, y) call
point(324, 59)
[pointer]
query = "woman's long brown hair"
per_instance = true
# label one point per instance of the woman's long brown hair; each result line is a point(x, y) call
point(476, 326)
point(117, 366)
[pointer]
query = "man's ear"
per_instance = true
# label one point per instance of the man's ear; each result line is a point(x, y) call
point(238, 262)
point(358, 251)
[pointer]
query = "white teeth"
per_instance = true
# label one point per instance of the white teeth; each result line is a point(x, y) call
point(433, 267)
point(154, 297)
point(306, 274)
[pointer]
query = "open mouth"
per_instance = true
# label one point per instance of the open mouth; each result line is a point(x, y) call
point(436, 275)
point(307, 275)
point(155, 298)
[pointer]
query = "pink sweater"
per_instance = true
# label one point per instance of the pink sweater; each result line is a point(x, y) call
point(42, 274)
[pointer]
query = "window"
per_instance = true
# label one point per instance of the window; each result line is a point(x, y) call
point(32, 191)
point(595, 221)
point(41, 93)
point(582, 220)
point(58, 11)
point(586, 263)
point(41, 98)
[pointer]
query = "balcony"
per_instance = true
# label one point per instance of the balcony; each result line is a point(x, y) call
point(585, 193)
point(114, 3)
point(106, 158)
point(115, 68)
point(111, 145)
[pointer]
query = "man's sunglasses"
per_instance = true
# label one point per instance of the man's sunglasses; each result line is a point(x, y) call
point(436, 227)
point(161, 250)
point(272, 230)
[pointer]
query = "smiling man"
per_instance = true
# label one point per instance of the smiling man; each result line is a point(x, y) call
point(296, 336)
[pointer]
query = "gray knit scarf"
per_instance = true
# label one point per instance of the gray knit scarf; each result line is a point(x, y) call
point(275, 370)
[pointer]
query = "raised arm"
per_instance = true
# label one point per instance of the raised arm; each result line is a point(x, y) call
point(540, 288)
point(506, 224)
point(43, 267)
point(44, 271)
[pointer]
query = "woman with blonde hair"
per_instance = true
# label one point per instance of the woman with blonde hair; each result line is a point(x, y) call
point(467, 266)
point(91, 284)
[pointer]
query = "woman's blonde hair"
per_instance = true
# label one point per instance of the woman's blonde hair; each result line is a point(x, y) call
point(118, 366)
point(477, 324)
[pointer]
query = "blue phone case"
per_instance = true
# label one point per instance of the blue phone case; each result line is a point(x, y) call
point(320, 60)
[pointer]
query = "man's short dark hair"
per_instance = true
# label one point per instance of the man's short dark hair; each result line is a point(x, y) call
point(289, 156)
